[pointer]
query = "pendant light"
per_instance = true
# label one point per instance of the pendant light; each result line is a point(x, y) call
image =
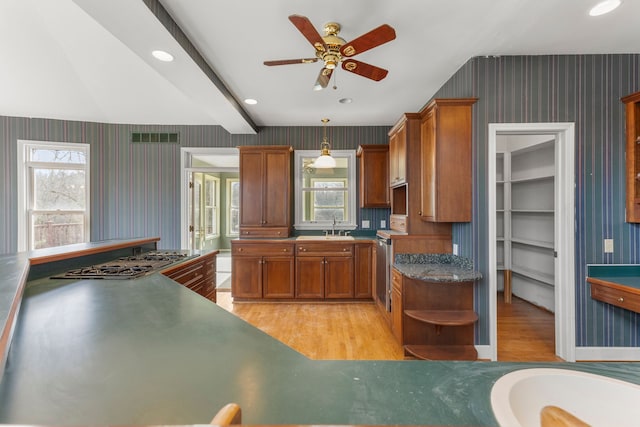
point(324, 160)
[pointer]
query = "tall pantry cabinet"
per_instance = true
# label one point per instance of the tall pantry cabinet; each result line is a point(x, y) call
point(265, 191)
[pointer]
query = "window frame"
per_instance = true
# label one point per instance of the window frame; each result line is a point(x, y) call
point(26, 190)
point(214, 208)
point(229, 232)
point(351, 191)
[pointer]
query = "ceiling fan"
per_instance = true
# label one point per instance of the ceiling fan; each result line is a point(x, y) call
point(332, 50)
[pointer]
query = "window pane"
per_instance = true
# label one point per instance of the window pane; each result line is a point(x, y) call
point(328, 198)
point(235, 221)
point(59, 189)
point(57, 156)
point(235, 194)
point(55, 229)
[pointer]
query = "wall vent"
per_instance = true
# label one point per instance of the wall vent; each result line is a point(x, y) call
point(159, 137)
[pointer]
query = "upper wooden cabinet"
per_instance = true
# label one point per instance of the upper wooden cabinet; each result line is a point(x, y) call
point(265, 191)
point(632, 103)
point(398, 152)
point(445, 135)
point(374, 176)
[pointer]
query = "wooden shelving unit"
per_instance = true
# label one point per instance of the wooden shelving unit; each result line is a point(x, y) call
point(434, 320)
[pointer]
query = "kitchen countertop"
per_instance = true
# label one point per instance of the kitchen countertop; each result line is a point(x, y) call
point(436, 267)
point(149, 351)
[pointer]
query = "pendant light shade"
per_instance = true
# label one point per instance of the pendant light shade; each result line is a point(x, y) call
point(324, 160)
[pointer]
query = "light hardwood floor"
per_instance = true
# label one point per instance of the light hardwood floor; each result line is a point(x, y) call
point(357, 331)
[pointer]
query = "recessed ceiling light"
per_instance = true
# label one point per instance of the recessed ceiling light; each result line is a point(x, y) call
point(163, 56)
point(250, 101)
point(345, 100)
point(604, 7)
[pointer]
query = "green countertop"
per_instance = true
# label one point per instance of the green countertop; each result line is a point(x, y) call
point(623, 274)
point(149, 351)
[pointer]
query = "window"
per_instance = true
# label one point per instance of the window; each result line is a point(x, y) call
point(325, 198)
point(211, 202)
point(54, 197)
point(233, 207)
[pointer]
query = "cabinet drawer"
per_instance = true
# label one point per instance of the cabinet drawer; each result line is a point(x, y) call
point(398, 223)
point(324, 249)
point(614, 296)
point(262, 248)
point(188, 274)
point(277, 232)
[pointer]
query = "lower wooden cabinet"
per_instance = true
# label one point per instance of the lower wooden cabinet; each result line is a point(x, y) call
point(287, 270)
point(262, 270)
point(433, 320)
point(197, 274)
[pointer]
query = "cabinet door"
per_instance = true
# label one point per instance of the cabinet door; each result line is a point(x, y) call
point(277, 181)
point(278, 277)
point(428, 169)
point(251, 184)
point(338, 277)
point(310, 277)
point(374, 176)
point(363, 278)
point(396, 306)
point(246, 276)
point(397, 156)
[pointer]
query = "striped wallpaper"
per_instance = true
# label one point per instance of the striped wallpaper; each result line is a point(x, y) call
point(136, 187)
point(585, 89)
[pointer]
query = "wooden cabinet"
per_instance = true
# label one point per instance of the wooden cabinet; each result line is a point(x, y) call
point(265, 191)
point(632, 110)
point(374, 176)
point(364, 270)
point(398, 154)
point(435, 319)
point(197, 274)
point(627, 297)
point(445, 135)
point(262, 269)
point(396, 305)
point(324, 270)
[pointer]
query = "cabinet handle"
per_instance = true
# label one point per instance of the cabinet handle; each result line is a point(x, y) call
point(284, 250)
point(345, 250)
point(420, 213)
point(240, 249)
point(620, 299)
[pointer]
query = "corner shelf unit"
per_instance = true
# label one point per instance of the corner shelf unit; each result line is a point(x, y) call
point(525, 213)
point(632, 112)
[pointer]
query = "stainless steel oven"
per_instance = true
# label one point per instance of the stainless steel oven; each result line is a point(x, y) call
point(383, 271)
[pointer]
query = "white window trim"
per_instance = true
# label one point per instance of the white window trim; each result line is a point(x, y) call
point(215, 206)
point(228, 207)
point(24, 183)
point(350, 224)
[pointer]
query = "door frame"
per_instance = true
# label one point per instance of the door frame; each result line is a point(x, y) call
point(186, 154)
point(565, 323)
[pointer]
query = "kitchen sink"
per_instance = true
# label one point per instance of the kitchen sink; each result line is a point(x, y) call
point(329, 237)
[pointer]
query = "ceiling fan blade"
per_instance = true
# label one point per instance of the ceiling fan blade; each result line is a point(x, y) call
point(384, 33)
point(291, 61)
point(365, 70)
point(307, 29)
point(323, 79)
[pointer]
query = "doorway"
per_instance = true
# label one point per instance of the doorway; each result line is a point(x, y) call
point(554, 252)
point(210, 204)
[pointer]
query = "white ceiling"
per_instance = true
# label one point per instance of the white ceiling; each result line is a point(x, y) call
point(90, 60)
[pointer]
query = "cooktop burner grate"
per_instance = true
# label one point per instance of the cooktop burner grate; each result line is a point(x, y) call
point(125, 267)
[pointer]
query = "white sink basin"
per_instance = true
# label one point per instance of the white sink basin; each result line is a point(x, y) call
point(324, 237)
point(518, 397)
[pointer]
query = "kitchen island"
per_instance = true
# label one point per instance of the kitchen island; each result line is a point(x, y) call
point(149, 351)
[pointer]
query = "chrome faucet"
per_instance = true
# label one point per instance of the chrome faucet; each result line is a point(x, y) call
point(333, 226)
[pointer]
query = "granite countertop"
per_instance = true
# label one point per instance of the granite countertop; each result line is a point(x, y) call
point(436, 267)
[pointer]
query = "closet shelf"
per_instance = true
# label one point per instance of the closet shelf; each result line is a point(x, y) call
point(533, 211)
point(535, 275)
point(530, 242)
point(531, 179)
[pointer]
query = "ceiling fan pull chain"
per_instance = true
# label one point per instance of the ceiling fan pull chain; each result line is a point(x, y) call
point(335, 84)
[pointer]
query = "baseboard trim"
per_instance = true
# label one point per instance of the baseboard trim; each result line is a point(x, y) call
point(484, 352)
point(609, 354)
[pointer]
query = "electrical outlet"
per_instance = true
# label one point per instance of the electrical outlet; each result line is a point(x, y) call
point(455, 249)
point(383, 224)
point(608, 246)
point(366, 223)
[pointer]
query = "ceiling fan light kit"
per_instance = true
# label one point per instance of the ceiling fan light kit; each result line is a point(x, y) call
point(333, 50)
